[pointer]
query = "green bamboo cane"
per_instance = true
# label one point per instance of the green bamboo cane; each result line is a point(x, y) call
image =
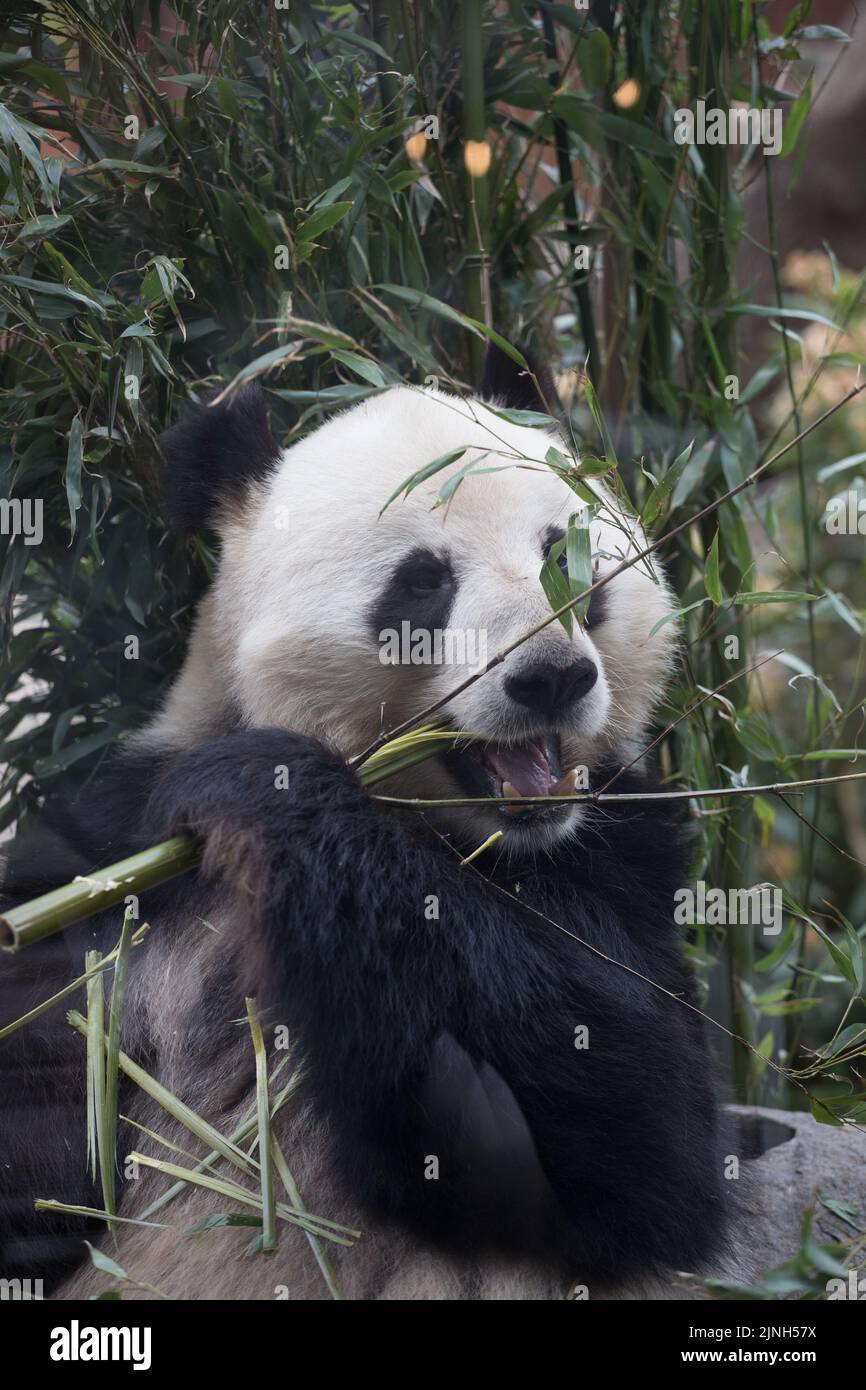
point(50, 913)
point(269, 1221)
point(474, 130)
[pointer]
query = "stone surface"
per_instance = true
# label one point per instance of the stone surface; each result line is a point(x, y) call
point(805, 1158)
point(787, 1158)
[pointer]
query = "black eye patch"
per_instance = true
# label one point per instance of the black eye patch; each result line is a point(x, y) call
point(420, 590)
point(597, 610)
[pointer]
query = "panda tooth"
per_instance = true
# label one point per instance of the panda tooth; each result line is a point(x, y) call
point(508, 791)
point(566, 785)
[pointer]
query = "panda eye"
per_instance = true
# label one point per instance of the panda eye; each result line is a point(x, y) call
point(425, 577)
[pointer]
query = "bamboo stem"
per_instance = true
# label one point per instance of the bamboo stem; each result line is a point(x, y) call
point(269, 1220)
point(50, 913)
point(687, 794)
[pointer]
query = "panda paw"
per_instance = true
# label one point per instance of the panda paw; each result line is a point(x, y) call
point(252, 779)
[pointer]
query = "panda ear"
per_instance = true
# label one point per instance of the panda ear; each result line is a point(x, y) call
point(213, 453)
point(505, 382)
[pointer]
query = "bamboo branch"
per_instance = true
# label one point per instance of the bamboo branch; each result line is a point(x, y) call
point(596, 798)
point(45, 915)
point(31, 921)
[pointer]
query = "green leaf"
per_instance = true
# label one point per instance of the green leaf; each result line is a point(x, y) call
point(665, 486)
point(819, 755)
point(420, 300)
point(795, 118)
point(54, 290)
point(594, 59)
point(72, 476)
point(43, 226)
point(779, 951)
point(767, 311)
point(821, 31)
point(841, 466)
point(679, 613)
point(556, 586)
point(775, 596)
point(361, 366)
point(850, 965)
point(105, 1264)
point(578, 554)
point(12, 132)
point(330, 195)
point(321, 221)
point(712, 582)
point(599, 422)
point(429, 469)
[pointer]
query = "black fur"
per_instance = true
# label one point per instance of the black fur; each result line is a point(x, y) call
point(505, 382)
point(214, 452)
point(454, 1038)
point(625, 1131)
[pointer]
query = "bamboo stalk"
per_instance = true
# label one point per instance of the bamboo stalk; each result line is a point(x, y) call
point(53, 911)
point(687, 794)
point(474, 131)
point(94, 1033)
point(294, 1196)
point(245, 1128)
point(269, 1224)
point(50, 913)
point(174, 1106)
point(14, 927)
point(112, 1067)
point(571, 217)
point(328, 1230)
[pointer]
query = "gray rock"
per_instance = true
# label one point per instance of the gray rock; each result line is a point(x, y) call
point(792, 1158)
point(786, 1160)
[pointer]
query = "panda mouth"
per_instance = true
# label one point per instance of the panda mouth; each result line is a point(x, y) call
point(505, 771)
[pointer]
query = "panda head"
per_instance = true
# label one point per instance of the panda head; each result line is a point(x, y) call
point(338, 616)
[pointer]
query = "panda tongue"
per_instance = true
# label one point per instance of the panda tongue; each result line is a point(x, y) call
point(525, 767)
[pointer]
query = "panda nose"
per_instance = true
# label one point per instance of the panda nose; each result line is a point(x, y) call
point(551, 690)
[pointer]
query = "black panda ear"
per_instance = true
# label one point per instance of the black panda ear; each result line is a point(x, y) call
point(505, 382)
point(213, 453)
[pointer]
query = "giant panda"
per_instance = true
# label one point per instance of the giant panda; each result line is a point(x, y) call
point(499, 1076)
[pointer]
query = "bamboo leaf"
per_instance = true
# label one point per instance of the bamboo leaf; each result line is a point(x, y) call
point(795, 118)
point(712, 582)
point(322, 220)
